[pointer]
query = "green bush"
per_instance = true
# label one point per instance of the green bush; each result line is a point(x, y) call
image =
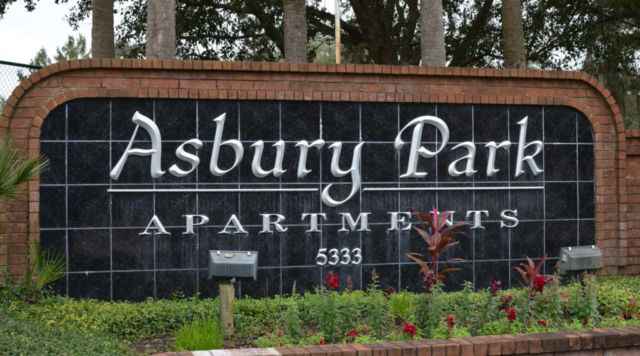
point(124, 320)
point(33, 338)
point(260, 321)
point(402, 305)
point(202, 334)
point(500, 327)
point(445, 332)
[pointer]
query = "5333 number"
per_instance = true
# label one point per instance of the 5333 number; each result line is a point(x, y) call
point(343, 257)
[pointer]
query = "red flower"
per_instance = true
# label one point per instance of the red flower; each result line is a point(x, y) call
point(542, 322)
point(388, 291)
point(451, 321)
point(448, 330)
point(332, 279)
point(511, 314)
point(321, 342)
point(351, 335)
point(410, 329)
point(495, 287)
point(586, 321)
point(350, 282)
point(506, 301)
point(279, 333)
point(538, 283)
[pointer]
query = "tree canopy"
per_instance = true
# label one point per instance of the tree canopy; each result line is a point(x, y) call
point(599, 36)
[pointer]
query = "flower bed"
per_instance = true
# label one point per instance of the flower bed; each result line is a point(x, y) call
point(332, 315)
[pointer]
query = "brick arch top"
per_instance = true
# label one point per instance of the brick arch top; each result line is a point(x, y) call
point(38, 95)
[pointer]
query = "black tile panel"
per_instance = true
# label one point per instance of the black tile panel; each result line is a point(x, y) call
point(99, 232)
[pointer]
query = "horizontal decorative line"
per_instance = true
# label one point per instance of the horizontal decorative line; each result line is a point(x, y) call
point(222, 190)
point(449, 188)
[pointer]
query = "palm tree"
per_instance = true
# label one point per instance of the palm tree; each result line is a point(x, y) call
point(102, 43)
point(16, 170)
point(513, 35)
point(161, 29)
point(432, 34)
point(295, 30)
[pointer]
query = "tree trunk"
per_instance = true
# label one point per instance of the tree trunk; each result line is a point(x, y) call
point(161, 29)
point(432, 34)
point(295, 31)
point(102, 43)
point(513, 35)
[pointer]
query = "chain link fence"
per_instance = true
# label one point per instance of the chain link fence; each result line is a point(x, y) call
point(10, 77)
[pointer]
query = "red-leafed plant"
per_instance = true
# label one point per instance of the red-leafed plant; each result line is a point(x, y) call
point(438, 237)
point(631, 310)
point(530, 271)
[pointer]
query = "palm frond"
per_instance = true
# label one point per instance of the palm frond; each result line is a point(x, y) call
point(16, 169)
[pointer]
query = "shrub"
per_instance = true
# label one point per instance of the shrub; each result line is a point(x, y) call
point(583, 303)
point(401, 305)
point(430, 310)
point(445, 332)
point(275, 340)
point(377, 308)
point(34, 338)
point(349, 312)
point(541, 326)
point(577, 324)
point(500, 327)
point(328, 309)
point(292, 316)
point(203, 334)
point(124, 320)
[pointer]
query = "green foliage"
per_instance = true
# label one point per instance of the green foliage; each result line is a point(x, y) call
point(13, 291)
point(72, 49)
point(578, 324)
point(203, 334)
point(268, 322)
point(47, 267)
point(464, 306)
point(124, 320)
point(486, 310)
point(19, 337)
point(401, 305)
point(430, 310)
point(16, 169)
point(583, 303)
point(500, 327)
point(366, 339)
point(280, 340)
point(349, 312)
point(378, 309)
point(444, 331)
point(292, 316)
point(328, 314)
point(614, 322)
point(536, 328)
point(275, 340)
point(616, 293)
point(552, 306)
point(524, 305)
